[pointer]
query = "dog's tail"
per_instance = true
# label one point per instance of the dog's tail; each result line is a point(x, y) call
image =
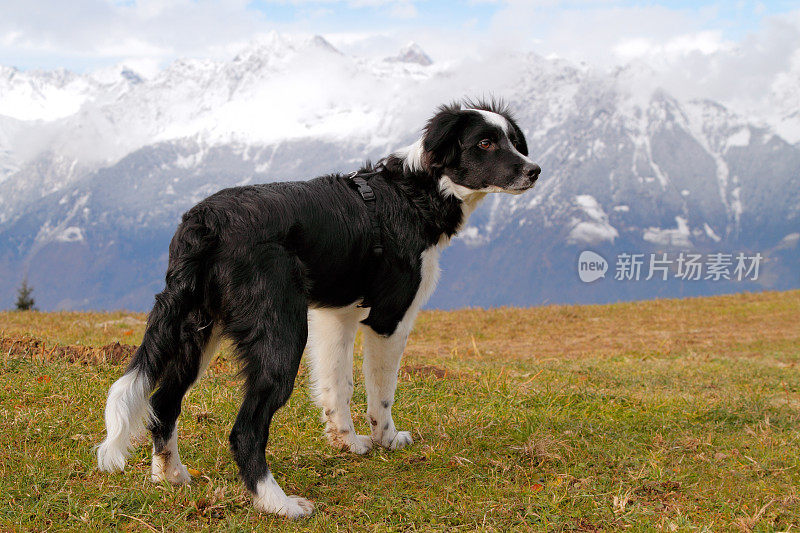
point(128, 411)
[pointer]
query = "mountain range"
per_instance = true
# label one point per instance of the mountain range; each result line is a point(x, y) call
point(96, 169)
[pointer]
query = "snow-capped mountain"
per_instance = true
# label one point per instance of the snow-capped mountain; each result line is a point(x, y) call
point(785, 95)
point(96, 169)
point(411, 53)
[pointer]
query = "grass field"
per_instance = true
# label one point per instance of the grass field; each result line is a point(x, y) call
point(676, 415)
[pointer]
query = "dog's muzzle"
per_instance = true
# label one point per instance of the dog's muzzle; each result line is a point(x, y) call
point(531, 171)
point(528, 176)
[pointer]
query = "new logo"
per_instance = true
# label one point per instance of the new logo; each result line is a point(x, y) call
point(591, 266)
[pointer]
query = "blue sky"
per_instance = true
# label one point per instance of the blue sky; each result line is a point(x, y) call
point(328, 16)
point(86, 34)
point(735, 19)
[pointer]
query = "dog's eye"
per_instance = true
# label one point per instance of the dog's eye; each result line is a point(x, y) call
point(485, 144)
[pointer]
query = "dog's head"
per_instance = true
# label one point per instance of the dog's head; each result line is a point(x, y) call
point(477, 147)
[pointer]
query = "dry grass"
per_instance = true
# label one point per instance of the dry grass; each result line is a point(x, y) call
point(722, 324)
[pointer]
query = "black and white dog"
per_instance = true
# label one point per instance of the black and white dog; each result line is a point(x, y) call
point(268, 266)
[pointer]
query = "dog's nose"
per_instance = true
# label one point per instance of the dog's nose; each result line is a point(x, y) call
point(531, 171)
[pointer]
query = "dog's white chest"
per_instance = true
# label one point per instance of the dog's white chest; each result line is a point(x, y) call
point(429, 273)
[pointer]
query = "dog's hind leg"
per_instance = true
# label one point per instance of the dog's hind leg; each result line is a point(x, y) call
point(269, 330)
point(197, 347)
point(332, 334)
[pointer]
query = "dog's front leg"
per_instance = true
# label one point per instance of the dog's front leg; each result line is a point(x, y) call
point(381, 365)
point(332, 334)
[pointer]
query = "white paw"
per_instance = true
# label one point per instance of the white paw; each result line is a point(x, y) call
point(290, 507)
point(176, 474)
point(360, 444)
point(400, 440)
point(270, 498)
point(297, 508)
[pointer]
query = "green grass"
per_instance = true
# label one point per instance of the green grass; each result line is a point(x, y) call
point(676, 415)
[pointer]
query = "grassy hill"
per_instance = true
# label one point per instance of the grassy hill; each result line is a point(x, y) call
point(667, 414)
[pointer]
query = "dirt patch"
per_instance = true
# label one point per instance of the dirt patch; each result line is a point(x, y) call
point(424, 370)
point(38, 350)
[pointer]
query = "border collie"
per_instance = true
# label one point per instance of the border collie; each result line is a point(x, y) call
point(270, 266)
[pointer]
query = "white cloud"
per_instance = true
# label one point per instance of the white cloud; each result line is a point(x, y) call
point(674, 48)
point(97, 30)
point(89, 33)
point(591, 31)
point(10, 38)
point(687, 50)
point(739, 74)
point(131, 47)
point(405, 10)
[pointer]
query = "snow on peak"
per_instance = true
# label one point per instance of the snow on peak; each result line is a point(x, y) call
point(122, 75)
point(321, 42)
point(276, 46)
point(595, 230)
point(282, 87)
point(130, 76)
point(37, 95)
point(411, 53)
point(70, 234)
point(678, 237)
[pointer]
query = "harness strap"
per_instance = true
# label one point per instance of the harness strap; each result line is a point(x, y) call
point(368, 195)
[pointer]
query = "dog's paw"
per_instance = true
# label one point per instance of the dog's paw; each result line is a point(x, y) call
point(395, 441)
point(175, 474)
point(360, 444)
point(401, 440)
point(300, 507)
point(290, 507)
point(270, 498)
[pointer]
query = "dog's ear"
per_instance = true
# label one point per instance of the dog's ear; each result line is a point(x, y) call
point(519, 138)
point(441, 142)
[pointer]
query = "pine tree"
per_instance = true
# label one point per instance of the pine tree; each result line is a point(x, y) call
point(25, 301)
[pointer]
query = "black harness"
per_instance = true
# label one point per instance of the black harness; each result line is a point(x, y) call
point(359, 181)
